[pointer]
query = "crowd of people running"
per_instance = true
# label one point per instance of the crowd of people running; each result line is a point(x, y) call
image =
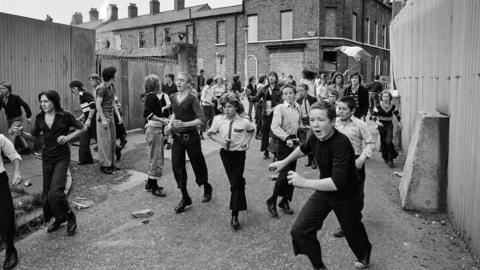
point(318, 117)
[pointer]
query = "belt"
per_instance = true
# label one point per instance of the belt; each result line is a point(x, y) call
point(185, 135)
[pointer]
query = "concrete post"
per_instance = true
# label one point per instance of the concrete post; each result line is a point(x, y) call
point(424, 183)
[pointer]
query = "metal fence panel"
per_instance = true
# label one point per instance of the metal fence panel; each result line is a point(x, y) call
point(37, 56)
point(435, 50)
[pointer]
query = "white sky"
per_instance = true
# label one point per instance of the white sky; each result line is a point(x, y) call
point(62, 10)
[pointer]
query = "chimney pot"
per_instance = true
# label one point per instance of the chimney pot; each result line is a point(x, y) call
point(93, 13)
point(112, 12)
point(154, 7)
point(179, 4)
point(132, 11)
point(77, 18)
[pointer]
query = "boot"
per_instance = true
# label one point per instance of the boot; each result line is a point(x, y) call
point(71, 223)
point(11, 259)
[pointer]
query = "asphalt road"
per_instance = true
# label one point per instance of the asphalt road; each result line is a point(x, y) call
point(201, 238)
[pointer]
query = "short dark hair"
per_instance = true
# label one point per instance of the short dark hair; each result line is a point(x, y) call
point(358, 75)
point(308, 74)
point(201, 70)
point(377, 77)
point(233, 99)
point(251, 79)
point(209, 81)
point(171, 76)
point(350, 101)
point(76, 83)
point(7, 85)
point(323, 105)
point(108, 73)
point(53, 96)
point(262, 79)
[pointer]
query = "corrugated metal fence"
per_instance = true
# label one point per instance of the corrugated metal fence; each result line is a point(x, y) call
point(129, 82)
point(435, 50)
point(37, 55)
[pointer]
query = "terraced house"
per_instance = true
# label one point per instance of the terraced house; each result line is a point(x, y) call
point(281, 35)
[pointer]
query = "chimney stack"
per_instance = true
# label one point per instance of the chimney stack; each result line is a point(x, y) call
point(112, 12)
point(132, 11)
point(179, 4)
point(154, 7)
point(93, 14)
point(77, 18)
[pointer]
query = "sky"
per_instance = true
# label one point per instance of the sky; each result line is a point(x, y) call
point(62, 10)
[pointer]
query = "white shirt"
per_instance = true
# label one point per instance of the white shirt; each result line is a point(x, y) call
point(356, 131)
point(237, 129)
point(9, 150)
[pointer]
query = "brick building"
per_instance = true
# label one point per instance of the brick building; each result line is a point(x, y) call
point(283, 35)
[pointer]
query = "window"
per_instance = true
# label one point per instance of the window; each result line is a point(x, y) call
point(354, 26)
point(377, 65)
point(286, 25)
point(141, 40)
point(221, 39)
point(367, 30)
point(118, 42)
point(166, 34)
point(98, 43)
point(330, 56)
point(252, 28)
point(190, 35)
point(330, 22)
point(385, 37)
point(376, 33)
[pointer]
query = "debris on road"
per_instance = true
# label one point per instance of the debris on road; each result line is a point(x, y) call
point(84, 204)
point(145, 213)
point(27, 183)
point(399, 174)
point(146, 221)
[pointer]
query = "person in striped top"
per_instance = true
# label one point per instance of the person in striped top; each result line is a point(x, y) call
point(383, 114)
point(87, 104)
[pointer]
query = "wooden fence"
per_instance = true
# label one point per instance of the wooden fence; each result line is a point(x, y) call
point(37, 56)
point(435, 50)
point(129, 82)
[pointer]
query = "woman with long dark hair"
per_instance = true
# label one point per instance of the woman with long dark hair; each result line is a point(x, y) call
point(55, 123)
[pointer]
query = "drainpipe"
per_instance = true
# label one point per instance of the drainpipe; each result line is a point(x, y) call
point(235, 46)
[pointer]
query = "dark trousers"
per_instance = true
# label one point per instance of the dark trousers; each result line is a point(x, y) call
point(386, 142)
point(7, 213)
point(209, 113)
point(282, 188)
point(84, 153)
point(234, 163)
point(55, 203)
point(258, 117)
point(190, 143)
point(266, 123)
point(310, 221)
point(120, 130)
point(373, 101)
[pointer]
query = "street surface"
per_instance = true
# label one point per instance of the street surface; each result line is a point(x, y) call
point(201, 238)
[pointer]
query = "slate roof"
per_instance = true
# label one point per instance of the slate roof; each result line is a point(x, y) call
point(200, 11)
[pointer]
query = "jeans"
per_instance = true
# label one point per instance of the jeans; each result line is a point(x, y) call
point(54, 199)
point(154, 138)
point(106, 140)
